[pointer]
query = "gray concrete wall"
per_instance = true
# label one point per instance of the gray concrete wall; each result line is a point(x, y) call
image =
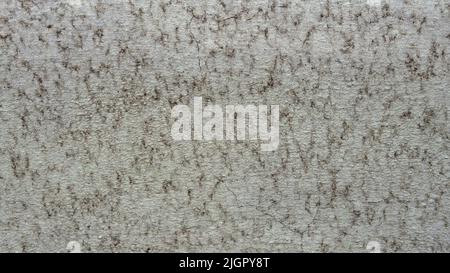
point(86, 155)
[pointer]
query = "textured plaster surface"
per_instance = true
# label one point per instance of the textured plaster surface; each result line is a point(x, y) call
point(86, 91)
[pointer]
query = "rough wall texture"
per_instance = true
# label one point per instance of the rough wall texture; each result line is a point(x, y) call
point(86, 91)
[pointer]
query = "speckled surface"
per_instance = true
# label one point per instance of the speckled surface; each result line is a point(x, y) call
point(86, 90)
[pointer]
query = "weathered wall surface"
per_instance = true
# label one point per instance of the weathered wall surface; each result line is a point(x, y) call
point(86, 91)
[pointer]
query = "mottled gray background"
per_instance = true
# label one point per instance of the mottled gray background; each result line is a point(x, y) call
point(86, 90)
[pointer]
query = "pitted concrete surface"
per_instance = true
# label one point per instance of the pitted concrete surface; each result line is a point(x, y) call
point(86, 155)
